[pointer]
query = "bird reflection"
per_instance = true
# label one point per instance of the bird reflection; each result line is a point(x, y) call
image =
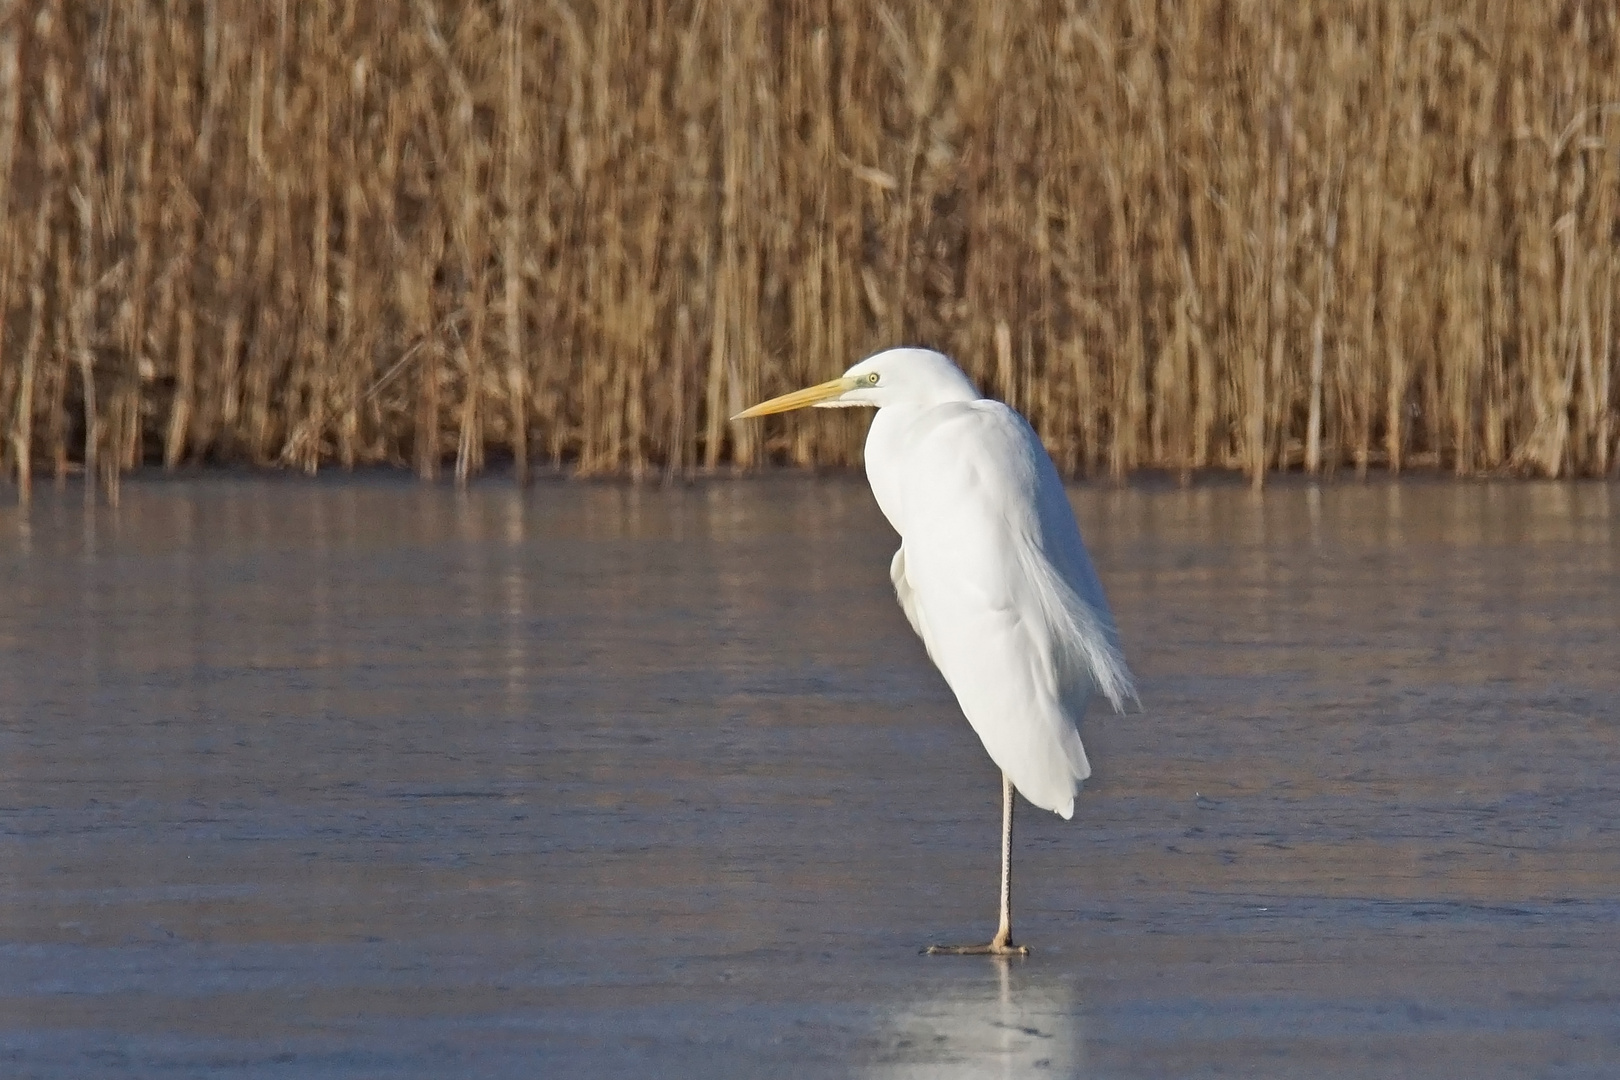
point(1000, 1024)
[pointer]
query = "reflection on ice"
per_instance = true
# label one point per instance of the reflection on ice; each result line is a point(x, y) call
point(1004, 1023)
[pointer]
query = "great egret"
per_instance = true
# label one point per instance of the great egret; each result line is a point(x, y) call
point(991, 573)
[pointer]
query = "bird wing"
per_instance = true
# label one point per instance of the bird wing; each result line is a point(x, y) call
point(903, 590)
point(995, 579)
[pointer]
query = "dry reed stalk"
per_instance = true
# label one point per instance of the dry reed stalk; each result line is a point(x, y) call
point(1401, 224)
point(311, 382)
point(1269, 393)
point(90, 95)
point(52, 37)
point(10, 253)
point(588, 232)
point(357, 292)
point(10, 248)
point(1175, 434)
point(184, 148)
point(1316, 407)
point(140, 224)
point(79, 328)
point(515, 160)
point(58, 372)
point(22, 426)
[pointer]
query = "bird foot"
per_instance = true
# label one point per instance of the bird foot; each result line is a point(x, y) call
point(994, 948)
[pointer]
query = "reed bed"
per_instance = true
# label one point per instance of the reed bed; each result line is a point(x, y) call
point(1249, 234)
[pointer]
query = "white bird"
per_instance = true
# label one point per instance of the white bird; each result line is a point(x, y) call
point(991, 573)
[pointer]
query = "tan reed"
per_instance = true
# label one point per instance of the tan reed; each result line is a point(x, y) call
point(1256, 236)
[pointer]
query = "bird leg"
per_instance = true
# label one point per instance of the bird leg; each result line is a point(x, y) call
point(1002, 943)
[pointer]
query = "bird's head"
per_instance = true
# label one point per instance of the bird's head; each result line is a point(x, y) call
point(918, 377)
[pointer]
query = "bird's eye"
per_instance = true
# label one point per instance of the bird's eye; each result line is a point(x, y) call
point(872, 379)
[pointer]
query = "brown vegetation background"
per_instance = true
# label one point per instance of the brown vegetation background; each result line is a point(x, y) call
point(1255, 234)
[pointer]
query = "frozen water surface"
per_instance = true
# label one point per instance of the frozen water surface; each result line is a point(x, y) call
point(363, 778)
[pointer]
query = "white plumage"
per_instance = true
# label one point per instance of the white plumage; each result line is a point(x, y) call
point(991, 571)
point(1000, 589)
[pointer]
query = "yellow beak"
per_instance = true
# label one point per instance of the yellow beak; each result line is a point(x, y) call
point(810, 395)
